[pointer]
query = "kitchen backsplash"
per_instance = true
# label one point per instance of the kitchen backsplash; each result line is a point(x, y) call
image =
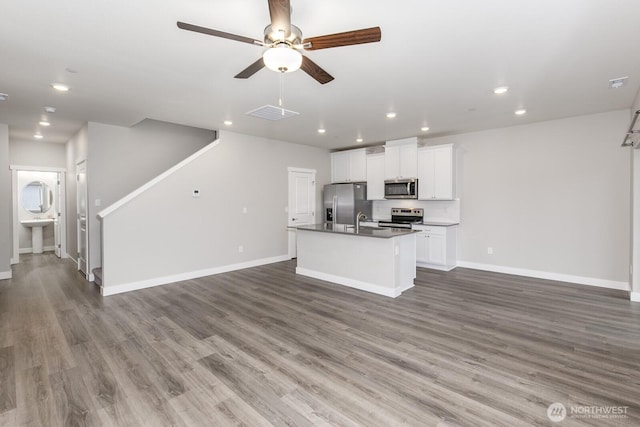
point(446, 210)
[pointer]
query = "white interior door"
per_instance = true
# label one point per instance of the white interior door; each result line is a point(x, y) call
point(302, 202)
point(83, 235)
point(57, 224)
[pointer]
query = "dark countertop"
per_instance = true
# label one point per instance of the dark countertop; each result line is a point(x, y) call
point(382, 233)
point(425, 222)
point(439, 223)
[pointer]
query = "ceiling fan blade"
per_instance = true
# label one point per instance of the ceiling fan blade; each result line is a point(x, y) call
point(314, 70)
point(251, 69)
point(348, 38)
point(280, 12)
point(216, 33)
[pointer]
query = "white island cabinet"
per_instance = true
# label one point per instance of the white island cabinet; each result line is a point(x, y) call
point(377, 260)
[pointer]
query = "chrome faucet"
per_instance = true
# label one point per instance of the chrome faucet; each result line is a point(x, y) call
point(359, 217)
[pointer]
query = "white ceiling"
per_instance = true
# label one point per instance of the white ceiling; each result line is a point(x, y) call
point(436, 65)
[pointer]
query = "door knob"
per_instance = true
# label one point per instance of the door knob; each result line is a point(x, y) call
point(293, 219)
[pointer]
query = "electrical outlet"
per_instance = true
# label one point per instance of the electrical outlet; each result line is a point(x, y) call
point(98, 202)
point(195, 194)
point(490, 250)
point(240, 249)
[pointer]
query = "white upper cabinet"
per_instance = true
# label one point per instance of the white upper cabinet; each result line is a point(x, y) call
point(401, 158)
point(435, 173)
point(349, 166)
point(375, 176)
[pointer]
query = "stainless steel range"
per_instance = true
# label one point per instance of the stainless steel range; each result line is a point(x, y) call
point(403, 218)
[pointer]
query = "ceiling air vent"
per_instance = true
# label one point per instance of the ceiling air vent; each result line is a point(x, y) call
point(269, 112)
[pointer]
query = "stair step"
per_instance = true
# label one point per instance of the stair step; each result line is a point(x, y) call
point(97, 275)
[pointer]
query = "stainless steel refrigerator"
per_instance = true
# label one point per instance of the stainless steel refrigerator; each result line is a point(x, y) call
point(342, 202)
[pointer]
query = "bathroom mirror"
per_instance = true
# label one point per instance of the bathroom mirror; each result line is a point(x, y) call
point(37, 197)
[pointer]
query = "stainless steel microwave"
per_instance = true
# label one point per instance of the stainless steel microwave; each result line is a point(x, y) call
point(401, 188)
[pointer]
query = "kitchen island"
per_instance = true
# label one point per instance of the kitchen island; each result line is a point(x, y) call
point(378, 260)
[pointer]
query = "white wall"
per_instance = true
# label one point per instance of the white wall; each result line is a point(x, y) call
point(122, 159)
point(547, 197)
point(5, 206)
point(147, 245)
point(635, 212)
point(37, 153)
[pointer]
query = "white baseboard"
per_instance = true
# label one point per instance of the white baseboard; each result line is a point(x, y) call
point(158, 281)
point(75, 261)
point(30, 250)
point(4, 275)
point(435, 267)
point(352, 283)
point(634, 296)
point(590, 281)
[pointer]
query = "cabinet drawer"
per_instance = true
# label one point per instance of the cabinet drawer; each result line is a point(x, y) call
point(431, 229)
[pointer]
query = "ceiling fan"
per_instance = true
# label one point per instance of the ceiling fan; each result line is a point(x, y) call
point(284, 41)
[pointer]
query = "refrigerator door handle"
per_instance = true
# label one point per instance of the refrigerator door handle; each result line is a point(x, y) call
point(335, 208)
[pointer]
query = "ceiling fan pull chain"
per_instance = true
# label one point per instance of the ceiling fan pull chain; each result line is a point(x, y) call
point(281, 100)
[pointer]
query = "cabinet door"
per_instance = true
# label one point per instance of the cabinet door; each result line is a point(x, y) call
point(426, 175)
point(375, 176)
point(392, 162)
point(422, 247)
point(357, 165)
point(443, 173)
point(437, 249)
point(340, 165)
point(408, 161)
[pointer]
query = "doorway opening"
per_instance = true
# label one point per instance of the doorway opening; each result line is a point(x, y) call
point(38, 196)
point(302, 203)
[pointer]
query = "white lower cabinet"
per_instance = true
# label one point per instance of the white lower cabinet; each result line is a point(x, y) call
point(436, 247)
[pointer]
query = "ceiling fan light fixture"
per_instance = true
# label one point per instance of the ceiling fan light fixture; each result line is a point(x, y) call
point(282, 58)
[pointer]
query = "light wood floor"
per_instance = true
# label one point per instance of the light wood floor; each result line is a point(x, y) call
point(265, 347)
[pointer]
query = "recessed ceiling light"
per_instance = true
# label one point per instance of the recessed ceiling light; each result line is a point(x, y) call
point(50, 110)
point(38, 136)
point(3, 96)
point(228, 122)
point(60, 87)
point(424, 128)
point(391, 115)
point(44, 123)
point(321, 130)
point(520, 112)
point(500, 90)
point(359, 140)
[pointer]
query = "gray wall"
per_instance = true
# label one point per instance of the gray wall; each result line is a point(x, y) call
point(5, 206)
point(36, 153)
point(122, 159)
point(550, 196)
point(145, 243)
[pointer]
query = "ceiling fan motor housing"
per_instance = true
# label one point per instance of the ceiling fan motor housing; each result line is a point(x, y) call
point(272, 38)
